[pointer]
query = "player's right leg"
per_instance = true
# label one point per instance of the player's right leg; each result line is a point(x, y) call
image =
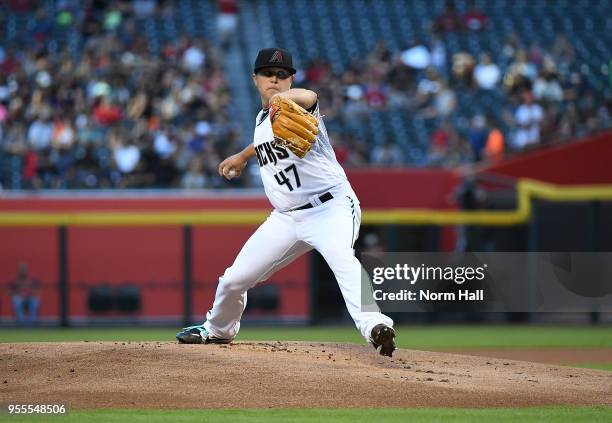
point(271, 247)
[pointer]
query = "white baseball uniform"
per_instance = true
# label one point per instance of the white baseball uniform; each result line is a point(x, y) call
point(330, 225)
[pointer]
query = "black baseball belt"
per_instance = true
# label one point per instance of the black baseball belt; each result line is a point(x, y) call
point(322, 198)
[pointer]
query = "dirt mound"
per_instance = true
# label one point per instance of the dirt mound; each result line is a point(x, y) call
point(281, 374)
point(547, 355)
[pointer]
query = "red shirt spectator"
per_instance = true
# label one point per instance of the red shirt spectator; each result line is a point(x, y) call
point(375, 96)
point(107, 113)
point(449, 20)
point(317, 72)
point(474, 19)
point(30, 165)
point(228, 6)
point(21, 5)
point(10, 64)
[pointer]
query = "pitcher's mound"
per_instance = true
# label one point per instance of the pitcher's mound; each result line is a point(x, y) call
point(281, 374)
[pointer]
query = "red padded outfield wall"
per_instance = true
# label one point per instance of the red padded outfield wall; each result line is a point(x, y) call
point(152, 257)
point(587, 161)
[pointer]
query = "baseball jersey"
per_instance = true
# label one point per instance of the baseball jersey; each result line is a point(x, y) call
point(289, 181)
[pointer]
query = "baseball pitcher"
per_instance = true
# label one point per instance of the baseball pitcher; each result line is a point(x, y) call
point(314, 207)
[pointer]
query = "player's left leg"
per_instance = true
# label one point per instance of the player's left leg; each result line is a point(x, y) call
point(332, 229)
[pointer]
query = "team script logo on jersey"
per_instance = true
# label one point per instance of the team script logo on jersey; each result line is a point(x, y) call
point(268, 152)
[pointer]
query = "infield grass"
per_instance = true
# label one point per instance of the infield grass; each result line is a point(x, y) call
point(598, 366)
point(391, 415)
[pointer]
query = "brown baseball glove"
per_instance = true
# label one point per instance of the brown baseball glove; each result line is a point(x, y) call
point(293, 127)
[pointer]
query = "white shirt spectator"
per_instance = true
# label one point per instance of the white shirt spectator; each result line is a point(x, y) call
point(417, 57)
point(528, 117)
point(126, 157)
point(428, 86)
point(486, 73)
point(163, 146)
point(547, 89)
point(7, 89)
point(193, 59)
point(444, 101)
point(40, 134)
point(438, 55)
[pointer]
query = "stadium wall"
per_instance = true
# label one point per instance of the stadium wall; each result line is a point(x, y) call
point(582, 162)
point(151, 258)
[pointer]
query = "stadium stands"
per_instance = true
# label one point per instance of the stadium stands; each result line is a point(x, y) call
point(138, 94)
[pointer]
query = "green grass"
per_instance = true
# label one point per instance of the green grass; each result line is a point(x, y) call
point(597, 366)
point(415, 337)
point(387, 415)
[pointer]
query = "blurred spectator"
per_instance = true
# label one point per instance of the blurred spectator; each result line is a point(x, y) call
point(438, 54)
point(416, 56)
point(510, 48)
point(375, 94)
point(25, 298)
point(439, 146)
point(227, 21)
point(573, 87)
point(486, 73)
point(563, 52)
point(126, 155)
point(547, 86)
point(107, 112)
point(372, 245)
point(21, 5)
point(495, 146)
point(463, 68)
point(528, 118)
point(445, 100)
point(9, 63)
point(427, 88)
point(477, 136)
point(349, 151)
point(317, 72)
point(194, 56)
point(194, 178)
point(144, 8)
point(449, 20)
point(63, 136)
point(40, 132)
point(42, 26)
point(520, 74)
point(474, 19)
point(387, 154)
point(380, 57)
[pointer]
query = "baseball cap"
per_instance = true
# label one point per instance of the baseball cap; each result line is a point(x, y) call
point(274, 57)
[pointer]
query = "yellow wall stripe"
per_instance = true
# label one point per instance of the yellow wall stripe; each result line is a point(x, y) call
point(527, 191)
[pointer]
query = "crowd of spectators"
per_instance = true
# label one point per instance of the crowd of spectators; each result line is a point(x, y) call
point(540, 96)
point(116, 115)
point(121, 114)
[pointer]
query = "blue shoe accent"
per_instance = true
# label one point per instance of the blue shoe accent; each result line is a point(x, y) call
point(198, 335)
point(192, 335)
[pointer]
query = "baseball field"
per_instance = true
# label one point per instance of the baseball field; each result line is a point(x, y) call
point(327, 374)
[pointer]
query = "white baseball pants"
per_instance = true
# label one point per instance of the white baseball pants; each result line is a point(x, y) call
point(331, 228)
